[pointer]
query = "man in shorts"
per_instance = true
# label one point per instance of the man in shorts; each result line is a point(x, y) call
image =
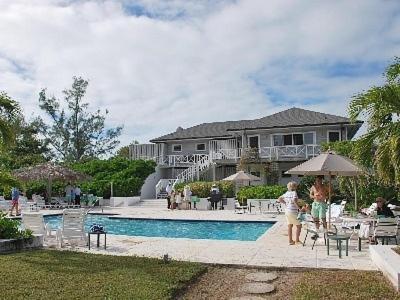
point(319, 193)
point(14, 201)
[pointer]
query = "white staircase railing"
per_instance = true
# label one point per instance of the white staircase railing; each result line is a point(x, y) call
point(193, 171)
point(162, 184)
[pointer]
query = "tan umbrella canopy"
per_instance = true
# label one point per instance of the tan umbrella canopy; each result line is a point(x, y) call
point(49, 171)
point(242, 176)
point(328, 164)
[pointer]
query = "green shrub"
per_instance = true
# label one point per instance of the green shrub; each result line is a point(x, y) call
point(261, 192)
point(9, 229)
point(202, 188)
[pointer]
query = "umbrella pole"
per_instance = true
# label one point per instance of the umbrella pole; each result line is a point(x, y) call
point(355, 194)
point(49, 184)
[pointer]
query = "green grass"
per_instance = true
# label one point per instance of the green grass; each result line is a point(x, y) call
point(69, 275)
point(343, 285)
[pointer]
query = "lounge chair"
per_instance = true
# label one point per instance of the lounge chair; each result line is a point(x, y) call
point(73, 226)
point(25, 205)
point(5, 205)
point(35, 222)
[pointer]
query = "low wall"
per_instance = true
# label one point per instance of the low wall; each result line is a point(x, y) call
point(203, 204)
point(387, 261)
point(124, 201)
point(13, 245)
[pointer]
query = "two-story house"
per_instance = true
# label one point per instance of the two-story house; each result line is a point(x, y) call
point(212, 151)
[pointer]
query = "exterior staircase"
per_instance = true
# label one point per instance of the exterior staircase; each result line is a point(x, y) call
point(190, 174)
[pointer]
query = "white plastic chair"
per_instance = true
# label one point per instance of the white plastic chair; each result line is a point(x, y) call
point(240, 209)
point(73, 226)
point(35, 222)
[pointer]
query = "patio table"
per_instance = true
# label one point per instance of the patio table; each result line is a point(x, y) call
point(339, 238)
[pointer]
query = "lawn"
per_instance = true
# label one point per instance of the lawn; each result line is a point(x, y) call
point(343, 284)
point(69, 275)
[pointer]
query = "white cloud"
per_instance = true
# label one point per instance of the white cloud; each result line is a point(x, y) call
point(157, 65)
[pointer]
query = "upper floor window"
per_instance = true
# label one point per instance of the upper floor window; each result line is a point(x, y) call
point(254, 141)
point(333, 135)
point(177, 148)
point(305, 138)
point(201, 147)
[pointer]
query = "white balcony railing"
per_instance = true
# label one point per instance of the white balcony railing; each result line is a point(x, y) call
point(180, 160)
point(272, 153)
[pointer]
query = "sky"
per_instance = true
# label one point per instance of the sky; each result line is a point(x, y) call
point(158, 64)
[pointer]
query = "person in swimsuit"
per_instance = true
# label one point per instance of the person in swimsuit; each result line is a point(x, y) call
point(319, 193)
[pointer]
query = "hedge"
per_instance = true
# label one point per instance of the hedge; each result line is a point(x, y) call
point(202, 188)
point(261, 192)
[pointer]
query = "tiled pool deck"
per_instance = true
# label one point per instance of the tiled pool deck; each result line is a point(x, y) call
point(271, 249)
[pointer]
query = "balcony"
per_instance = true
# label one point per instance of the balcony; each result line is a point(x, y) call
point(276, 153)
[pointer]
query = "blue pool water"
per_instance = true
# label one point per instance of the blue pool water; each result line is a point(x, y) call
point(215, 230)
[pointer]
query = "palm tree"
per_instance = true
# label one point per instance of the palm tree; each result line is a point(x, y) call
point(10, 113)
point(379, 148)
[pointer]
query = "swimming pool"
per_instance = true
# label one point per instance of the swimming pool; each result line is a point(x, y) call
point(215, 230)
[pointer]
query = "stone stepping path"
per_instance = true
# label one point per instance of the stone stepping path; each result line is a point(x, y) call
point(261, 277)
point(257, 288)
point(258, 284)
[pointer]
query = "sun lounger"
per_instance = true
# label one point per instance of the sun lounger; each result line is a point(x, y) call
point(72, 227)
point(35, 222)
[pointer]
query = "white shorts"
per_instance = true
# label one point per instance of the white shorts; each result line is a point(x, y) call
point(291, 219)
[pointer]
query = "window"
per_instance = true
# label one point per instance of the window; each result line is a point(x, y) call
point(177, 148)
point(201, 147)
point(253, 141)
point(298, 139)
point(333, 136)
point(306, 138)
point(278, 139)
point(287, 139)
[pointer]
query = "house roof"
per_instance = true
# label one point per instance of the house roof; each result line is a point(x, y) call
point(293, 117)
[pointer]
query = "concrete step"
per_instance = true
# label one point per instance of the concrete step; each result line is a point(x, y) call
point(152, 203)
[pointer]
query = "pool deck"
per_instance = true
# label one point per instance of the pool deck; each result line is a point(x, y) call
point(270, 250)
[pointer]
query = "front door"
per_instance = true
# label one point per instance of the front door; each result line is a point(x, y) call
point(254, 141)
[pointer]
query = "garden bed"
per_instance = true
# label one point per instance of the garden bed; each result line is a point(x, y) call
point(12, 245)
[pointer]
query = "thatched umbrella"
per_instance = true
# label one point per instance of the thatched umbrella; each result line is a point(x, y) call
point(49, 171)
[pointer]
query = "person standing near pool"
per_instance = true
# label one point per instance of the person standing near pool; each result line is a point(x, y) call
point(292, 208)
point(14, 200)
point(319, 193)
point(168, 190)
point(78, 195)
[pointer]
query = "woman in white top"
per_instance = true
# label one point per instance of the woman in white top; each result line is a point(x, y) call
point(290, 199)
point(187, 196)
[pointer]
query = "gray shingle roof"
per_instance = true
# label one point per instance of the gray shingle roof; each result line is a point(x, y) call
point(293, 117)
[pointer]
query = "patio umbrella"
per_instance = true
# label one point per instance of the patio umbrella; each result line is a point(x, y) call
point(48, 171)
point(241, 177)
point(328, 164)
